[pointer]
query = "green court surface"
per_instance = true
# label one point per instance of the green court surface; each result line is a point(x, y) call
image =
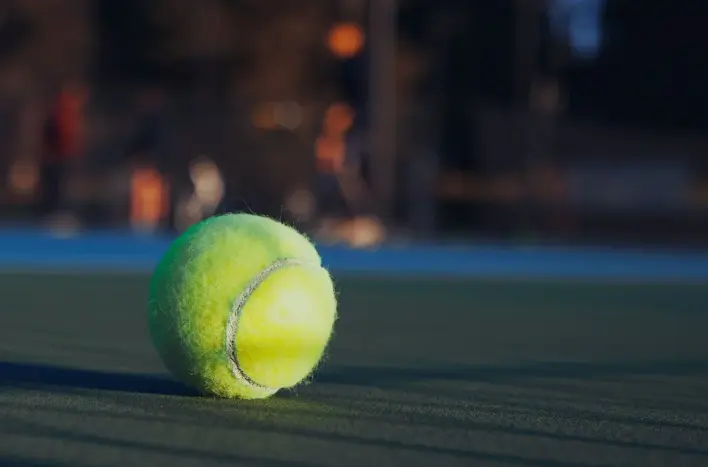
point(420, 373)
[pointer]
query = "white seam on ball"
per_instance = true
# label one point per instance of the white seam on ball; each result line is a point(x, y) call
point(237, 308)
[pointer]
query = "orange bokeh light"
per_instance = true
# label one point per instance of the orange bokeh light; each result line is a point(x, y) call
point(330, 153)
point(345, 39)
point(339, 118)
point(149, 201)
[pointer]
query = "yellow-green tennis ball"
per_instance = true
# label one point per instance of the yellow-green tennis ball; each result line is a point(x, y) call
point(240, 306)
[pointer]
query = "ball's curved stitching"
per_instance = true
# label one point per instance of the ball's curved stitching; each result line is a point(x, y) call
point(237, 308)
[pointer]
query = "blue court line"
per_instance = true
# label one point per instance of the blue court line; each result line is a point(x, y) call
point(108, 251)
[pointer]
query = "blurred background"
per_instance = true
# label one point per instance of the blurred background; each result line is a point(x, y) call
point(359, 121)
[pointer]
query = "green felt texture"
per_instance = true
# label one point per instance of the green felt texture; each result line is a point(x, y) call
point(284, 328)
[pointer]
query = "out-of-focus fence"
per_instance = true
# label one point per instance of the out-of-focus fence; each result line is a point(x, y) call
point(320, 114)
point(559, 177)
point(526, 175)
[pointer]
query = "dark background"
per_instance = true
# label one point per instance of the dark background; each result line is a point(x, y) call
point(498, 99)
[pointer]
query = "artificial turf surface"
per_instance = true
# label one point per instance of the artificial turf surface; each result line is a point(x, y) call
point(420, 373)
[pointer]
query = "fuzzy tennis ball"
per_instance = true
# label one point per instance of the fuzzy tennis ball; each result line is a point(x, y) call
point(241, 307)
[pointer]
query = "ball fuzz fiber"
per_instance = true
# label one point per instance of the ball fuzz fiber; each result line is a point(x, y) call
point(241, 307)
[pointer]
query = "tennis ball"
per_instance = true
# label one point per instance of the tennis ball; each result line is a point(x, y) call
point(241, 307)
